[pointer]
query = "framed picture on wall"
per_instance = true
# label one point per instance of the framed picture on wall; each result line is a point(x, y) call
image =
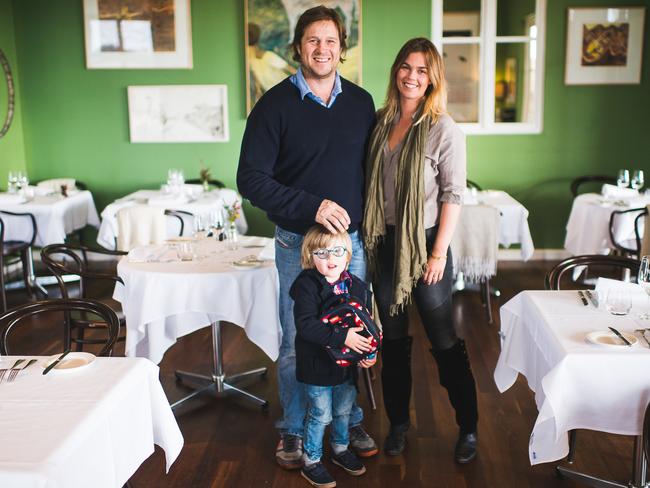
point(269, 28)
point(178, 113)
point(124, 34)
point(604, 46)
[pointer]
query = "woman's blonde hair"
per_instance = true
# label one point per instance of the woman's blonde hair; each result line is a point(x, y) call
point(434, 102)
point(318, 237)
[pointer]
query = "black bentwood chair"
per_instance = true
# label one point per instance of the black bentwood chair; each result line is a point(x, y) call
point(641, 215)
point(18, 317)
point(590, 179)
point(68, 259)
point(21, 251)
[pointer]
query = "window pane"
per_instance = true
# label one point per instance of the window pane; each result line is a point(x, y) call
point(514, 91)
point(461, 18)
point(462, 72)
point(512, 17)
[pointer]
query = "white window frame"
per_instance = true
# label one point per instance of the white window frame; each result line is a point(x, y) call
point(487, 42)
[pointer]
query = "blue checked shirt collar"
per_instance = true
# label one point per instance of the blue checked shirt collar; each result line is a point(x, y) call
point(299, 81)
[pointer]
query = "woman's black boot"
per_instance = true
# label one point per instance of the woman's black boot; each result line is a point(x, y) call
point(396, 384)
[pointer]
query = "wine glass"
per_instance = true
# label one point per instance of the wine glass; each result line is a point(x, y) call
point(644, 281)
point(637, 180)
point(200, 226)
point(623, 179)
point(216, 223)
point(12, 182)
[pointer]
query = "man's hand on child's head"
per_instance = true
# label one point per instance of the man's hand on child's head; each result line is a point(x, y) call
point(357, 342)
point(367, 363)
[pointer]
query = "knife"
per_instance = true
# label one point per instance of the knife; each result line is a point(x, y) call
point(582, 297)
point(55, 362)
point(620, 336)
point(592, 298)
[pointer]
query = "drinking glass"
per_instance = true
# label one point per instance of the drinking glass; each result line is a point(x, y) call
point(232, 237)
point(216, 223)
point(618, 302)
point(623, 179)
point(23, 181)
point(637, 180)
point(12, 182)
point(644, 281)
point(186, 250)
point(200, 226)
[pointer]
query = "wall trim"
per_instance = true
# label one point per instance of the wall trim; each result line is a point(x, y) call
point(538, 255)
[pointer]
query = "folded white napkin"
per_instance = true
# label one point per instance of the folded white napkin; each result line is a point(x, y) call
point(12, 199)
point(152, 254)
point(636, 293)
point(614, 191)
point(56, 183)
point(268, 252)
point(43, 191)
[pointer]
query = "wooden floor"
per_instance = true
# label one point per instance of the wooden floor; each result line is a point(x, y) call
point(229, 443)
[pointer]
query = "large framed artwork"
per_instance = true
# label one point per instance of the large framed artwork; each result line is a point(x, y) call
point(178, 113)
point(123, 34)
point(604, 46)
point(269, 28)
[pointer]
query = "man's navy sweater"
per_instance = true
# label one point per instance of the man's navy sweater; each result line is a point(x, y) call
point(295, 153)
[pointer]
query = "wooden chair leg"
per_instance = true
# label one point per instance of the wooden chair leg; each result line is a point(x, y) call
point(485, 289)
point(572, 445)
point(368, 382)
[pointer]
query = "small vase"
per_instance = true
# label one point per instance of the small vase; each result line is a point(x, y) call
point(206, 186)
point(232, 237)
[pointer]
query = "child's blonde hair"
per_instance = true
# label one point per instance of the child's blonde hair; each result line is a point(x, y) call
point(318, 237)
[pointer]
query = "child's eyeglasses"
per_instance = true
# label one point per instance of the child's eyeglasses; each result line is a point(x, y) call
point(337, 251)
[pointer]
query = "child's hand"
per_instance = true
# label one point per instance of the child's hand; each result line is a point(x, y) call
point(357, 342)
point(367, 363)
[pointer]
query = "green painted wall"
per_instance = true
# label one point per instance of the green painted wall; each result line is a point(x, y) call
point(12, 147)
point(76, 120)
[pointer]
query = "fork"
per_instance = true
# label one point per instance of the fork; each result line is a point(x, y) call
point(4, 371)
point(643, 331)
point(14, 371)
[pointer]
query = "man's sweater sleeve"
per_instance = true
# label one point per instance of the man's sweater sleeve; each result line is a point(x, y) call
point(306, 311)
point(259, 152)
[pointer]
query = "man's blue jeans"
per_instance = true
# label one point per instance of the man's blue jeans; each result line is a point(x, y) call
point(292, 395)
point(327, 404)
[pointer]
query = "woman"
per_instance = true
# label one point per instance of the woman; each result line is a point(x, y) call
point(415, 181)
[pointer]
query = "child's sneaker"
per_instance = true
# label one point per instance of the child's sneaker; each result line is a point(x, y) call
point(348, 461)
point(317, 475)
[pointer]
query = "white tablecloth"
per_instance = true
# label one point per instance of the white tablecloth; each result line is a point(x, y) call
point(164, 301)
point(79, 428)
point(587, 231)
point(204, 204)
point(513, 225)
point(577, 385)
point(55, 215)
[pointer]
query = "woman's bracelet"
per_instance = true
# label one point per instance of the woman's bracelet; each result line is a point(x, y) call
point(438, 256)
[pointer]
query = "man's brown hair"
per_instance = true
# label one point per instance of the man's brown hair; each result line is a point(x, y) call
point(316, 14)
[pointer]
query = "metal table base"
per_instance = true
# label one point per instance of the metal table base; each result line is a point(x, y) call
point(639, 472)
point(218, 383)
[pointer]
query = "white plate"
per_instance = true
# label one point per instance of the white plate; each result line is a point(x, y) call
point(607, 338)
point(72, 361)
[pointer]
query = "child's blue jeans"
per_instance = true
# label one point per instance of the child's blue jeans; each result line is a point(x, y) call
point(325, 405)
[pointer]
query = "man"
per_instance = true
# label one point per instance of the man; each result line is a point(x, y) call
point(301, 161)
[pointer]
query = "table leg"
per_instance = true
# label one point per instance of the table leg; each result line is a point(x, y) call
point(639, 472)
point(218, 382)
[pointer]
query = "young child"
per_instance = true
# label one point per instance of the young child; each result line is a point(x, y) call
point(330, 388)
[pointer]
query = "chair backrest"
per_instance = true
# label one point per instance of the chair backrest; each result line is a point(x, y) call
point(642, 237)
point(575, 184)
point(197, 181)
point(17, 317)
point(140, 225)
point(646, 433)
point(71, 259)
point(553, 277)
point(472, 184)
point(26, 216)
point(636, 214)
point(180, 215)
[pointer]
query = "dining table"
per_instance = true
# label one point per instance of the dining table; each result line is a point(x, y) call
point(56, 215)
point(192, 199)
point(574, 365)
point(587, 230)
point(92, 425)
point(165, 297)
